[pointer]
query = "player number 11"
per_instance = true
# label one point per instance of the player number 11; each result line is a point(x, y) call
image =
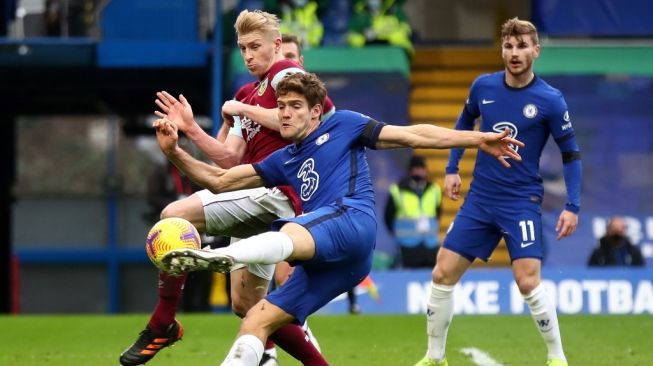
point(527, 230)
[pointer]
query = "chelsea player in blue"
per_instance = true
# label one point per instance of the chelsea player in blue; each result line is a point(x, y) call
point(331, 245)
point(506, 202)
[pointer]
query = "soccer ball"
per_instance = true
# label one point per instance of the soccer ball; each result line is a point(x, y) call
point(168, 234)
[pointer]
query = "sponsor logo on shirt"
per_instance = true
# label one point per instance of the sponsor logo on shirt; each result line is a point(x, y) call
point(504, 125)
point(251, 128)
point(310, 179)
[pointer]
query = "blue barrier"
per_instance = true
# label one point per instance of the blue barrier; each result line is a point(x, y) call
point(600, 18)
point(493, 291)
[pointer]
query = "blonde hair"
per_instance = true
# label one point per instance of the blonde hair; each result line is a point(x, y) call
point(257, 21)
point(517, 28)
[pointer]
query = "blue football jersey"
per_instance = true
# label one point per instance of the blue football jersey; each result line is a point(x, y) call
point(532, 114)
point(329, 165)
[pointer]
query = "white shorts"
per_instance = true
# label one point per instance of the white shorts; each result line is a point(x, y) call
point(244, 213)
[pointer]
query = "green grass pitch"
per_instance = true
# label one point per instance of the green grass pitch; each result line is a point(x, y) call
point(363, 340)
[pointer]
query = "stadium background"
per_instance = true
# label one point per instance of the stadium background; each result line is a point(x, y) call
point(77, 149)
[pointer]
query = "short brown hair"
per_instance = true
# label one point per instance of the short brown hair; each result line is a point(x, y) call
point(291, 38)
point(516, 27)
point(257, 21)
point(305, 84)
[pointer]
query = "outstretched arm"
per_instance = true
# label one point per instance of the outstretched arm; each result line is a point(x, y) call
point(179, 112)
point(211, 177)
point(432, 137)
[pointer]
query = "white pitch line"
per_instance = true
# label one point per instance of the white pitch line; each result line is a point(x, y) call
point(479, 357)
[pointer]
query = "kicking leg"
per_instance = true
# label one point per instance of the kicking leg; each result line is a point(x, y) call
point(162, 329)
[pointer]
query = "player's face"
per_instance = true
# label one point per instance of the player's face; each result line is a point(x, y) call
point(519, 53)
point(290, 51)
point(258, 51)
point(298, 120)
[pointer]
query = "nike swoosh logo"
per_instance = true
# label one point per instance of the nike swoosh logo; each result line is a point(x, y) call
point(289, 161)
point(486, 101)
point(524, 245)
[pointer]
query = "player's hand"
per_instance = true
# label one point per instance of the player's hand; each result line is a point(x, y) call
point(166, 135)
point(176, 111)
point(233, 108)
point(452, 183)
point(567, 223)
point(501, 146)
point(227, 120)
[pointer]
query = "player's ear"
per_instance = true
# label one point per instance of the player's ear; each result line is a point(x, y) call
point(277, 45)
point(537, 50)
point(316, 111)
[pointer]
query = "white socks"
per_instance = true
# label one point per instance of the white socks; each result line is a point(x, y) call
point(268, 248)
point(246, 351)
point(546, 321)
point(439, 312)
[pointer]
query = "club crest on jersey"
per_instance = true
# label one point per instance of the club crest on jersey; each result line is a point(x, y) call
point(263, 87)
point(530, 111)
point(322, 139)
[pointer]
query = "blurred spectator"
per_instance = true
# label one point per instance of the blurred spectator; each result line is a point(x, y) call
point(70, 18)
point(615, 249)
point(412, 214)
point(291, 48)
point(380, 21)
point(301, 18)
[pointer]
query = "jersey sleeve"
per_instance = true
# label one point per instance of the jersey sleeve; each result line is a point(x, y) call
point(559, 123)
point(370, 134)
point(269, 169)
point(465, 121)
point(471, 104)
point(362, 129)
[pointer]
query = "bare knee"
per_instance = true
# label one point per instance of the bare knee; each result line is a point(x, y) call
point(242, 301)
point(527, 274)
point(449, 267)
point(263, 319)
point(173, 209)
point(527, 284)
point(189, 208)
point(441, 276)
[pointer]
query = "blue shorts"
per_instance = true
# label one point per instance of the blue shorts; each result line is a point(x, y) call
point(479, 226)
point(344, 243)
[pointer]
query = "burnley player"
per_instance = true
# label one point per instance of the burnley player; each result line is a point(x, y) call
point(237, 214)
point(331, 245)
point(507, 203)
